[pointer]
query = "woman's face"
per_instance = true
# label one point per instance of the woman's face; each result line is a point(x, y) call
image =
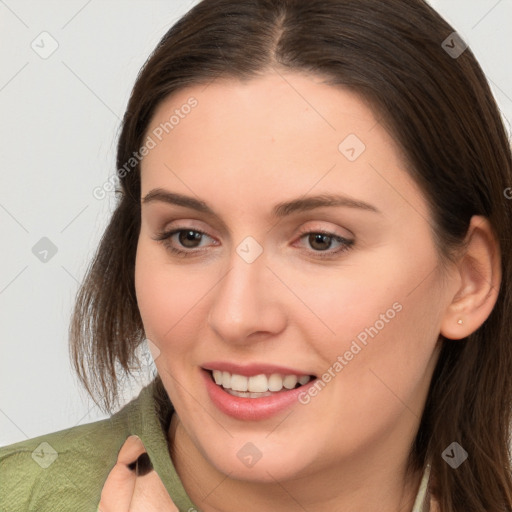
point(304, 250)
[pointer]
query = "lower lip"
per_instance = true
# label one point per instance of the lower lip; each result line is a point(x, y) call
point(252, 409)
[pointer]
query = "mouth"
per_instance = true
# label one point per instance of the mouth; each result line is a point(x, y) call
point(254, 392)
point(258, 386)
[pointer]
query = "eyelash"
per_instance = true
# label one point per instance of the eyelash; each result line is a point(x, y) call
point(165, 236)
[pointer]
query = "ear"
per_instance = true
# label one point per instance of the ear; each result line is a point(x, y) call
point(479, 277)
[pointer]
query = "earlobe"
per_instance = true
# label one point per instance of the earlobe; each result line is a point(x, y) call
point(479, 269)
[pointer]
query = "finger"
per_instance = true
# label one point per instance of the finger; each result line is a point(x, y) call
point(118, 489)
point(150, 495)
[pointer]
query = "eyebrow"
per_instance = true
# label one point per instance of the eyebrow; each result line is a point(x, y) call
point(280, 210)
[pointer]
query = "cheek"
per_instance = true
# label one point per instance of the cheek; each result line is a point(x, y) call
point(375, 315)
point(170, 298)
point(387, 347)
point(337, 304)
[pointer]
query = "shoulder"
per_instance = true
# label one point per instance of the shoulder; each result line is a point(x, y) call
point(63, 470)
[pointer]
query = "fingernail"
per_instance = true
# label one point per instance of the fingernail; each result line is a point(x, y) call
point(143, 465)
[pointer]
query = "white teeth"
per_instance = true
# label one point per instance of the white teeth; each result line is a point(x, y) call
point(247, 394)
point(217, 375)
point(290, 381)
point(275, 382)
point(240, 383)
point(259, 384)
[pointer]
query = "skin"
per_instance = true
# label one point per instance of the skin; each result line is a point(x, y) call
point(243, 149)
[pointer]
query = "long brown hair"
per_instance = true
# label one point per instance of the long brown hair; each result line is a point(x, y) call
point(440, 110)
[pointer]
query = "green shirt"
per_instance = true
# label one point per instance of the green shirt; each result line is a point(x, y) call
point(66, 470)
point(68, 473)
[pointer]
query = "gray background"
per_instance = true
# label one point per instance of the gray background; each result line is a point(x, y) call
point(60, 117)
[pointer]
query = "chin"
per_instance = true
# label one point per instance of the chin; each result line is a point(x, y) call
point(258, 460)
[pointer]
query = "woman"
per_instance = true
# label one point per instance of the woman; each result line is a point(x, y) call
point(313, 239)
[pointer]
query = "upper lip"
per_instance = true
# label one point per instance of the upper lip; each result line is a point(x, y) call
point(249, 370)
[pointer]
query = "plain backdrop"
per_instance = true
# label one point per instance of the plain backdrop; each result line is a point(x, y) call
point(66, 71)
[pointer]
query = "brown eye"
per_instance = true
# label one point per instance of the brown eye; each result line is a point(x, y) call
point(184, 241)
point(325, 244)
point(189, 238)
point(320, 241)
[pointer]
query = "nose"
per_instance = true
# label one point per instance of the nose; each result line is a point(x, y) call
point(248, 302)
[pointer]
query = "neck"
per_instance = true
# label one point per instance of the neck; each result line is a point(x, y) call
point(367, 486)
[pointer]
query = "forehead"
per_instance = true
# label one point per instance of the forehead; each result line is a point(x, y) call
point(290, 131)
point(276, 101)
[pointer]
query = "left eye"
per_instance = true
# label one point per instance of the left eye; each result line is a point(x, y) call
point(322, 242)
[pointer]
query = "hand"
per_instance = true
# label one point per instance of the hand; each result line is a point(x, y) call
point(129, 490)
